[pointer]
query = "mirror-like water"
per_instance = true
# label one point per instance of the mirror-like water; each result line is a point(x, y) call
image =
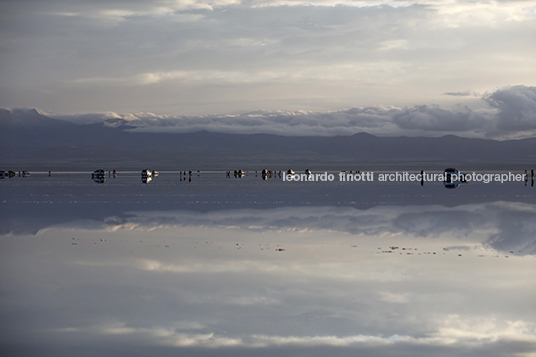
point(216, 265)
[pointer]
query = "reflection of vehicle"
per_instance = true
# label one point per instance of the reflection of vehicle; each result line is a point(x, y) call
point(146, 179)
point(148, 175)
point(239, 173)
point(99, 179)
point(98, 176)
point(452, 178)
point(266, 174)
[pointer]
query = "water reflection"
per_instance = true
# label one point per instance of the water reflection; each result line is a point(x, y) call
point(8, 174)
point(501, 227)
point(531, 178)
point(148, 175)
point(99, 179)
point(239, 173)
point(117, 269)
point(453, 178)
point(419, 278)
point(98, 176)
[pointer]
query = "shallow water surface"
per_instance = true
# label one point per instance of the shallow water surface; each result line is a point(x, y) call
point(210, 265)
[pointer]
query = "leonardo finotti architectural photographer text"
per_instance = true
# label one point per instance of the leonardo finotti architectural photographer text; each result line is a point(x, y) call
point(406, 177)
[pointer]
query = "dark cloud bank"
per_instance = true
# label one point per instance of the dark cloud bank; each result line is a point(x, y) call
point(511, 115)
point(502, 134)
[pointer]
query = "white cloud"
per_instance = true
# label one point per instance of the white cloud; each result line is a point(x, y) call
point(512, 114)
point(454, 330)
point(476, 331)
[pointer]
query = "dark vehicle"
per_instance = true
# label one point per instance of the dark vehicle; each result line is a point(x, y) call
point(452, 178)
point(239, 173)
point(98, 176)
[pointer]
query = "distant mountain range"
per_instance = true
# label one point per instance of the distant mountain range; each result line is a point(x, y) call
point(29, 140)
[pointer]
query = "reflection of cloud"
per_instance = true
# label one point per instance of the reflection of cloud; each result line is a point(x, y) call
point(507, 226)
point(432, 223)
point(319, 297)
point(315, 269)
point(197, 267)
point(517, 232)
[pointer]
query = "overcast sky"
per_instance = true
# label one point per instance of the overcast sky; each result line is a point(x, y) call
point(196, 57)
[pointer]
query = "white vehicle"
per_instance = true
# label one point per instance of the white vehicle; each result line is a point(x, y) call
point(146, 173)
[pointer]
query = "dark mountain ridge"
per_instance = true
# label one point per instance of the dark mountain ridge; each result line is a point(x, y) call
point(29, 138)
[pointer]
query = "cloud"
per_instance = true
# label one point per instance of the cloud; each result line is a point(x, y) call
point(517, 108)
point(463, 94)
point(202, 57)
point(301, 123)
point(433, 118)
point(512, 114)
point(454, 331)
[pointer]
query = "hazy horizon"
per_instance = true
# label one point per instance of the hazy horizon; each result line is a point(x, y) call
point(510, 113)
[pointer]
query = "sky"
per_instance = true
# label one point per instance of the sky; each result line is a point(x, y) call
point(464, 67)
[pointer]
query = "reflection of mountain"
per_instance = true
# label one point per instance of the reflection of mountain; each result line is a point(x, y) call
point(39, 201)
point(508, 228)
point(250, 204)
point(30, 138)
